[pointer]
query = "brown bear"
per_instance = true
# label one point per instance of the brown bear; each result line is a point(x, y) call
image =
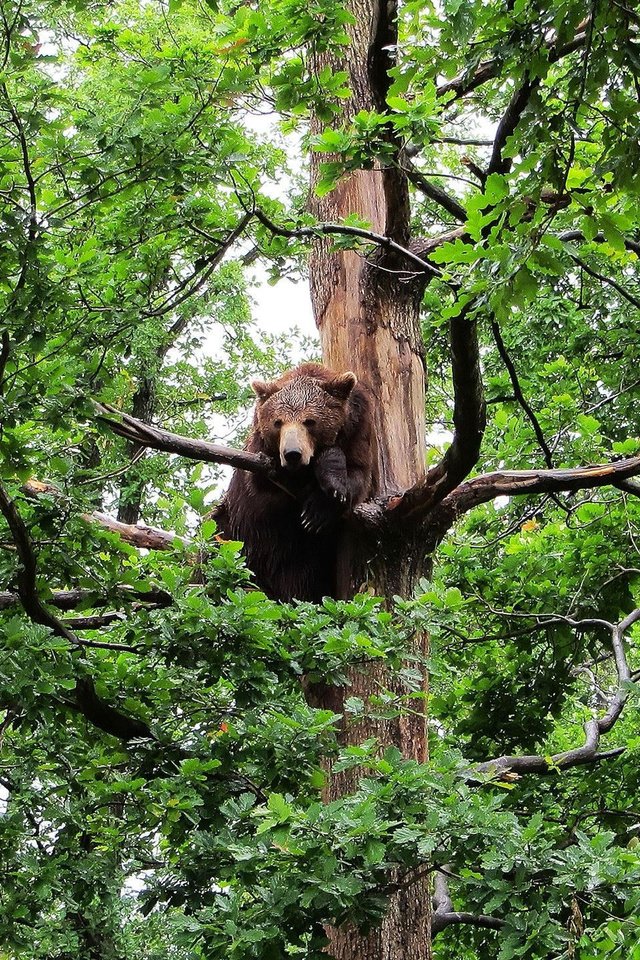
point(317, 427)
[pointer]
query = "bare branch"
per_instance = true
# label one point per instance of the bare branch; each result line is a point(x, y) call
point(196, 280)
point(70, 599)
point(341, 229)
point(139, 535)
point(444, 915)
point(594, 728)
point(148, 436)
point(465, 142)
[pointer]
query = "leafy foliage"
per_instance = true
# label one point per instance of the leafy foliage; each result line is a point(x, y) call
point(131, 156)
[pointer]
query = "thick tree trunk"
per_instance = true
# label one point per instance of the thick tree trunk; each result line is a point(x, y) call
point(367, 312)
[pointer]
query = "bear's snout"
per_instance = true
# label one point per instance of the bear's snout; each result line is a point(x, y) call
point(296, 448)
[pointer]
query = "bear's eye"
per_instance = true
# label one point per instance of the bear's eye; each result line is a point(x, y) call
point(277, 423)
point(309, 423)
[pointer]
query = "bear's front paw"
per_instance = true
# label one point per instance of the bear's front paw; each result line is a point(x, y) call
point(331, 474)
point(319, 512)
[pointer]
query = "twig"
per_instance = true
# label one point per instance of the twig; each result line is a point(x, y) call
point(608, 280)
point(519, 395)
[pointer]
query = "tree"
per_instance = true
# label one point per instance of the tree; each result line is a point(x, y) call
point(160, 733)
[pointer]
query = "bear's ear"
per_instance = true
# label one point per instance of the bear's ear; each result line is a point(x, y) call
point(264, 390)
point(341, 386)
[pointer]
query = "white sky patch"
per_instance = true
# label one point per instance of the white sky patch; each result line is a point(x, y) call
point(284, 306)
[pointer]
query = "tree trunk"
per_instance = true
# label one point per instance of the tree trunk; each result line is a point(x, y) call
point(367, 312)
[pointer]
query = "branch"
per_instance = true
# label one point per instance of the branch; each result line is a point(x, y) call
point(469, 418)
point(608, 280)
point(515, 483)
point(506, 127)
point(200, 274)
point(466, 83)
point(97, 711)
point(325, 229)
point(139, 535)
point(570, 235)
point(435, 193)
point(4, 356)
point(629, 486)
point(444, 914)
point(147, 436)
point(519, 395)
point(70, 599)
point(594, 728)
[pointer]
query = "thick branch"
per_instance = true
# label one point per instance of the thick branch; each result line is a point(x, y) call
point(138, 535)
point(158, 439)
point(444, 915)
point(469, 416)
point(508, 124)
point(629, 486)
point(515, 483)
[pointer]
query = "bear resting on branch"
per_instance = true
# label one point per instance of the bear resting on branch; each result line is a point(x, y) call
point(316, 425)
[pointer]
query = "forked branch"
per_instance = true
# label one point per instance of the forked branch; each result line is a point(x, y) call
point(594, 728)
point(442, 487)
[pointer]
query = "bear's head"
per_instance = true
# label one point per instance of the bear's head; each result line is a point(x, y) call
point(299, 417)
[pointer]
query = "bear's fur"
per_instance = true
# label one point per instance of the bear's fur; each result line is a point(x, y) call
point(317, 427)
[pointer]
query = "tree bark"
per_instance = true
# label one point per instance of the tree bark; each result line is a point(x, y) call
point(367, 313)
